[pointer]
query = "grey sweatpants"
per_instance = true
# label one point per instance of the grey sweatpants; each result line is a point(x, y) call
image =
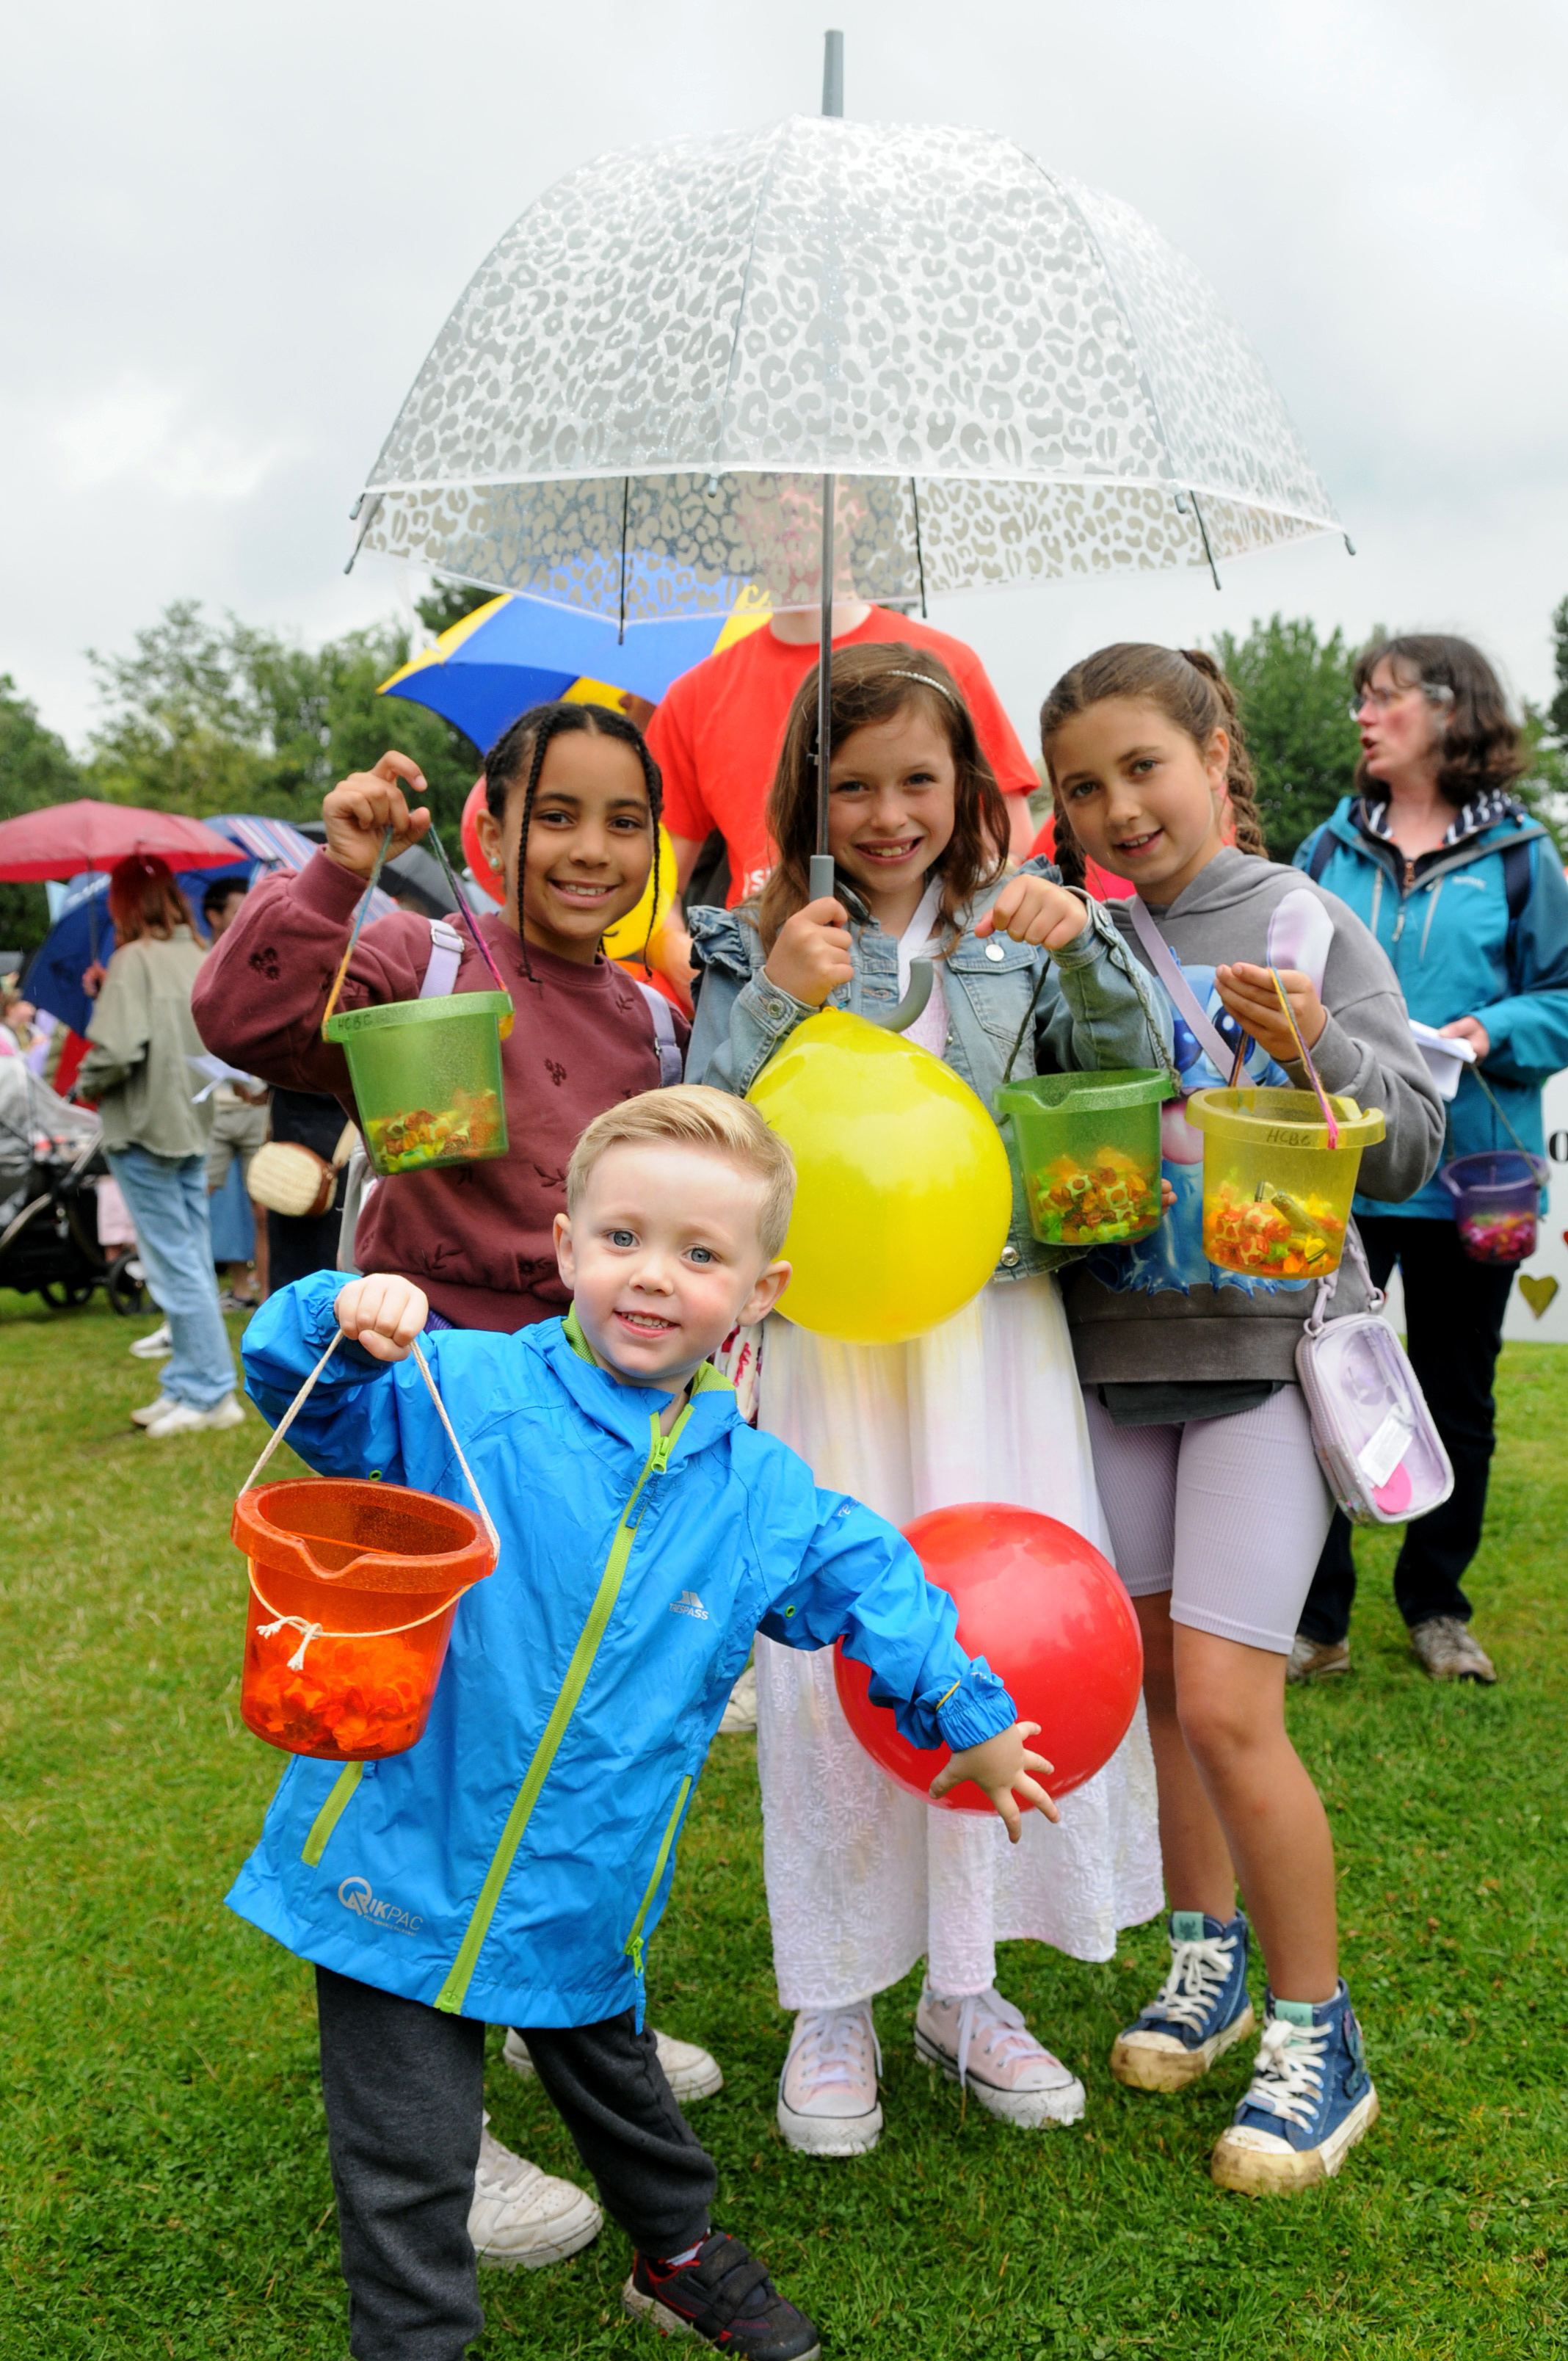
point(404, 2091)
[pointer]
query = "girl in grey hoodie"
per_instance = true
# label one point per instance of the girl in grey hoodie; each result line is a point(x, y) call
point(1202, 1446)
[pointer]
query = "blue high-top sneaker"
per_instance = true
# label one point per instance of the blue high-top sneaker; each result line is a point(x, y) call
point(1310, 2099)
point(1199, 2012)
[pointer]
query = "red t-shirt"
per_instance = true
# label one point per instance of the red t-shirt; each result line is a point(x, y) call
point(718, 734)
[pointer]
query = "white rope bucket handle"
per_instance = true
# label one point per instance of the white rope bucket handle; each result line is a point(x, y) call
point(287, 1420)
point(309, 1631)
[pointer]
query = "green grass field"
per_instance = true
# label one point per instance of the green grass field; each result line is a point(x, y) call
point(163, 2180)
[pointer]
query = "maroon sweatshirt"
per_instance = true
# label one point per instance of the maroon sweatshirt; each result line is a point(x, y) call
point(476, 1237)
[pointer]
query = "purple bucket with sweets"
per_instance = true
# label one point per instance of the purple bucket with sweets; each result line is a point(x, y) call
point(1496, 1202)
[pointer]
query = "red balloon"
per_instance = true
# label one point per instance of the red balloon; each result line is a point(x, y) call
point(1046, 1612)
point(493, 882)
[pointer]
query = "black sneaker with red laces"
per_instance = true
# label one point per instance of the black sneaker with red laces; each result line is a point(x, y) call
point(725, 2296)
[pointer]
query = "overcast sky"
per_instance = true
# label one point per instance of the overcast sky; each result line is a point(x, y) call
point(232, 233)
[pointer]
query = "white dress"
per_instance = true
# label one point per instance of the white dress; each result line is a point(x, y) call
point(862, 1879)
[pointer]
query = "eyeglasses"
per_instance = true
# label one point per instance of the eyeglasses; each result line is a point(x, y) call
point(1434, 691)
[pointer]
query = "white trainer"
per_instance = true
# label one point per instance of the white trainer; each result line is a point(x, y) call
point(151, 1411)
point(523, 2216)
point(740, 1713)
point(152, 1347)
point(689, 2070)
point(180, 1418)
point(982, 2043)
point(827, 2092)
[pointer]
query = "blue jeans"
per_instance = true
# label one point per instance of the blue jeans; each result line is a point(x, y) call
point(166, 1196)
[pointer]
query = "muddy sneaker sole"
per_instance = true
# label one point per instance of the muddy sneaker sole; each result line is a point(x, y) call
point(1257, 2166)
point(670, 2323)
point(1030, 2110)
point(1157, 2062)
point(830, 2135)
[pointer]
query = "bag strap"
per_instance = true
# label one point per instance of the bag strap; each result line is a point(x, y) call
point(1518, 880)
point(1375, 1298)
point(1210, 1039)
point(668, 1047)
point(445, 959)
point(1323, 852)
point(287, 1420)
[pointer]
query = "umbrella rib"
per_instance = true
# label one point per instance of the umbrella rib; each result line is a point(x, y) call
point(763, 188)
point(1067, 197)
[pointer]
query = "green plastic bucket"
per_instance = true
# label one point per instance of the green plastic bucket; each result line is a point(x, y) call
point(426, 1077)
point(1089, 1151)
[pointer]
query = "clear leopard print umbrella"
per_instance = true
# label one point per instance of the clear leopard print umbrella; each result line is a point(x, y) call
point(1012, 377)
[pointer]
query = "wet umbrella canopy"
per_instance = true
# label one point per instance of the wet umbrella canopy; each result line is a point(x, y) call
point(1014, 378)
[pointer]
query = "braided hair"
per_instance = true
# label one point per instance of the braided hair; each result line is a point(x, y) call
point(1184, 684)
point(518, 754)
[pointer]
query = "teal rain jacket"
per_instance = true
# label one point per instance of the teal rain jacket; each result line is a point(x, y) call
point(1459, 952)
point(513, 1864)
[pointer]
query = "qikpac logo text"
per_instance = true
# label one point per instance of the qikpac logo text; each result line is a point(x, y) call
point(355, 1894)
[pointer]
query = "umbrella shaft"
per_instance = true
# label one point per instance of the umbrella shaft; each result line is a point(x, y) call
point(825, 666)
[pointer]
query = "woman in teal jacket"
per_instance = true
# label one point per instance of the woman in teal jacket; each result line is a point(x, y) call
point(1466, 894)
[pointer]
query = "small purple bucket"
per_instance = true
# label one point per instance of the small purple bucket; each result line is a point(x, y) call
point(1496, 1202)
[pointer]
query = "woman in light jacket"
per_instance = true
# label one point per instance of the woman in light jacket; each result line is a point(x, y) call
point(138, 1068)
point(1465, 893)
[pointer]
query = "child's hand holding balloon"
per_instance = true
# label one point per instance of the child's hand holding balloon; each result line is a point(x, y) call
point(1002, 1769)
point(812, 953)
point(382, 1313)
point(1033, 910)
point(361, 809)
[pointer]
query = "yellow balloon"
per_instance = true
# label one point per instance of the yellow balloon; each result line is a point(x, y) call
point(626, 938)
point(905, 1193)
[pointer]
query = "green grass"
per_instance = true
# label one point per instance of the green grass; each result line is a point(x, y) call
point(163, 2177)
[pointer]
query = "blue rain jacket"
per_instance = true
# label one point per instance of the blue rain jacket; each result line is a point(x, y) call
point(513, 1864)
point(1457, 953)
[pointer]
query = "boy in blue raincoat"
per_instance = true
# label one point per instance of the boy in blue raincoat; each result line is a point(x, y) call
point(512, 1866)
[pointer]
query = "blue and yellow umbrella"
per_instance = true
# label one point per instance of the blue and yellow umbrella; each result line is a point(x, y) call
point(517, 652)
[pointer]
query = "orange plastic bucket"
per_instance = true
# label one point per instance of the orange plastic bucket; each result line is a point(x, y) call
point(352, 1590)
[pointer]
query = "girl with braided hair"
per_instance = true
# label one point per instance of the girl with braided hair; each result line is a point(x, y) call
point(572, 821)
point(1202, 1446)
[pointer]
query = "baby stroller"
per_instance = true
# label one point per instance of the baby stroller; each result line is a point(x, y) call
point(50, 1163)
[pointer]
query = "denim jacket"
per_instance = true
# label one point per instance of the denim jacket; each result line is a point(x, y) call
point(1095, 1010)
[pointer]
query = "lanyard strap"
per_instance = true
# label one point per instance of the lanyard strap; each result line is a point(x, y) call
point(1210, 1039)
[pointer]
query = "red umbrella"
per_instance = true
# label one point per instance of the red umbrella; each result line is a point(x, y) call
point(62, 840)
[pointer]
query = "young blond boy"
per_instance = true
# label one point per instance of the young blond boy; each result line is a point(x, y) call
point(512, 1866)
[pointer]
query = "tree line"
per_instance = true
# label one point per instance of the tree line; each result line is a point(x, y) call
point(205, 716)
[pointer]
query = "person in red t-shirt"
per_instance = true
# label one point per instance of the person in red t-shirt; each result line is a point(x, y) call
point(718, 734)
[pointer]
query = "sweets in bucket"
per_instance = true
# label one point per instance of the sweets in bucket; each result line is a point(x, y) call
point(1496, 1199)
point(354, 1587)
point(1089, 1152)
point(1277, 1196)
point(426, 1074)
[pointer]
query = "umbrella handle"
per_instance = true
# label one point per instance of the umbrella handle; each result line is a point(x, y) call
point(823, 887)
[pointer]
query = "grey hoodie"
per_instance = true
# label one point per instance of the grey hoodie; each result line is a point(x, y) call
point(1124, 1334)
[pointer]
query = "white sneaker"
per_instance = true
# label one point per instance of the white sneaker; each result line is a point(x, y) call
point(521, 2215)
point(690, 2072)
point(827, 2096)
point(153, 1347)
point(150, 1411)
point(983, 2044)
point(180, 1418)
point(740, 1713)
